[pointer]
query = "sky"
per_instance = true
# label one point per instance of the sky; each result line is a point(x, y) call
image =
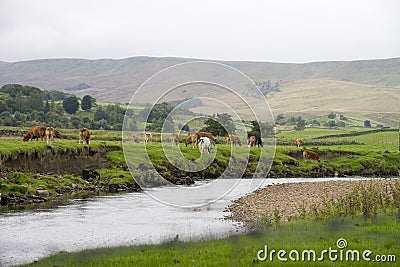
point(254, 30)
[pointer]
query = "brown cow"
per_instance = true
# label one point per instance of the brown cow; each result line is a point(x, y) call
point(191, 139)
point(252, 141)
point(57, 133)
point(298, 142)
point(35, 132)
point(310, 154)
point(49, 134)
point(134, 138)
point(174, 139)
point(84, 136)
point(206, 134)
point(233, 140)
point(148, 137)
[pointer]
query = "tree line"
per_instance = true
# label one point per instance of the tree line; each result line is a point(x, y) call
point(25, 106)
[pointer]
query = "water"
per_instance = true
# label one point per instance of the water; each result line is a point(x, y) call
point(134, 218)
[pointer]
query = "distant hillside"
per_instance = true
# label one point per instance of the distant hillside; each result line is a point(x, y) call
point(314, 84)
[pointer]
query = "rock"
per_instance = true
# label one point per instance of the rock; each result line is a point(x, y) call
point(90, 175)
point(42, 193)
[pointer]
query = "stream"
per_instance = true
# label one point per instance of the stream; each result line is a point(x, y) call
point(125, 219)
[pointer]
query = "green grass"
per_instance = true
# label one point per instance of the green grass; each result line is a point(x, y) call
point(381, 238)
point(12, 145)
point(368, 218)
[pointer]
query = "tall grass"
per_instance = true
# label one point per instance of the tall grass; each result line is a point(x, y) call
point(366, 200)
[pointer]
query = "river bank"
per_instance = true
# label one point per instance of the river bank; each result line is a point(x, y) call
point(37, 172)
point(183, 247)
point(290, 200)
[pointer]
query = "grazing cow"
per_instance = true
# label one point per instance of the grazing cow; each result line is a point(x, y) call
point(236, 141)
point(84, 136)
point(35, 132)
point(310, 154)
point(206, 134)
point(49, 134)
point(233, 140)
point(191, 139)
point(228, 140)
point(298, 142)
point(174, 139)
point(250, 140)
point(148, 137)
point(205, 145)
point(57, 133)
point(134, 138)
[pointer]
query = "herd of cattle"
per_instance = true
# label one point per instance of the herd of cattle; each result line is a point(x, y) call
point(204, 140)
point(48, 133)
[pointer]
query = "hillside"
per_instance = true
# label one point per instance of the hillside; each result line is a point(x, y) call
point(363, 87)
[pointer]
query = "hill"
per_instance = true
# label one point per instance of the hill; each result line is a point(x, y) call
point(363, 87)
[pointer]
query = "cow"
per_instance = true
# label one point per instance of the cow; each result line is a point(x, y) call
point(49, 134)
point(84, 136)
point(148, 137)
point(310, 154)
point(191, 139)
point(57, 133)
point(204, 145)
point(174, 139)
point(298, 142)
point(250, 140)
point(134, 138)
point(35, 132)
point(206, 134)
point(229, 140)
point(234, 140)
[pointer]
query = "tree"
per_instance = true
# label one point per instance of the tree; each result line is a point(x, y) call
point(331, 115)
point(71, 104)
point(99, 114)
point(46, 108)
point(3, 106)
point(157, 116)
point(301, 124)
point(330, 123)
point(255, 128)
point(35, 100)
point(185, 128)
point(86, 103)
point(221, 125)
point(367, 124)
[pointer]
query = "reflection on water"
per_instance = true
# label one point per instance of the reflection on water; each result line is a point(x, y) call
point(133, 218)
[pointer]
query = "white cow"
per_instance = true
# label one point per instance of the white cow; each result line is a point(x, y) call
point(205, 145)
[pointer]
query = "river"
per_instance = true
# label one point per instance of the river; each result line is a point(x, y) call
point(126, 219)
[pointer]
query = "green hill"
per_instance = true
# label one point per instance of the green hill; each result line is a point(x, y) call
point(364, 87)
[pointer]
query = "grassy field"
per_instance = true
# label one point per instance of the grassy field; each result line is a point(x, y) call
point(373, 154)
point(369, 155)
point(318, 97)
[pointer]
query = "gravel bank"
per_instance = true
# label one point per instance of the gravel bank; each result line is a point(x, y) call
point(287, 198)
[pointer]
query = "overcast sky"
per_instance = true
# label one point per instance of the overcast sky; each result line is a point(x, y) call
point(278, 31)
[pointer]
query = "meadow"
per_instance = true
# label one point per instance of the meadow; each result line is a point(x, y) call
point(372, 155)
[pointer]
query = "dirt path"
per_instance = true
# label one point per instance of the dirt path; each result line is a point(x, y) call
point(287, 198)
